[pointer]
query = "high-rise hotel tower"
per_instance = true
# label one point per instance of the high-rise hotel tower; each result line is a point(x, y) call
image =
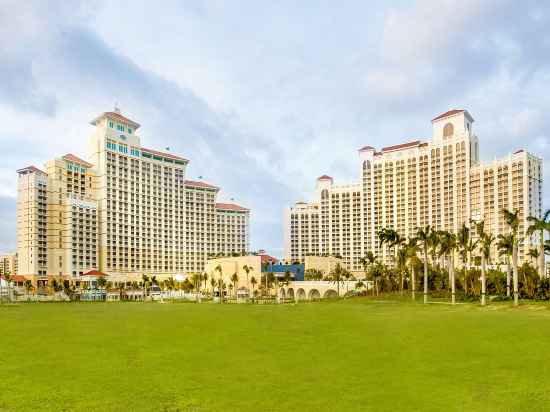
point(440, 183)
point(126, 211)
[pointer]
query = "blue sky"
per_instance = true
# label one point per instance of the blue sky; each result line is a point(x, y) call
point(263, 97)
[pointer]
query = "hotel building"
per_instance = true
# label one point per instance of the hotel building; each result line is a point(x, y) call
point(8, 264)
point(440, 182)
point(126, 211)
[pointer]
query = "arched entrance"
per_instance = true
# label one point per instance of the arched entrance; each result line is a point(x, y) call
point(290, 293)
point(282, 294)
point(314, 294)
point(300, 294)
point(330, 294)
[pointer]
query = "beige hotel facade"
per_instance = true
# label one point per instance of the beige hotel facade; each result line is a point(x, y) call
point(125, 211)
point(440, 182)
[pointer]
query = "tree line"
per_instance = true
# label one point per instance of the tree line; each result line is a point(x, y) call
point(432, 253)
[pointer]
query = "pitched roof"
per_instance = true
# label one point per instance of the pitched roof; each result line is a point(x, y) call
point(115, 116)
point(231, 206)
point(401, 146)
point(72, 158)
point(193, 183)
point(365, 148)
point(324, 177)
point(266, 259)
point(32, 169)
point(95, 273)
point(448, 113)
point(164, 154)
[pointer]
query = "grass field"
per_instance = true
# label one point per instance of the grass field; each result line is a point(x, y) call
point(355, 355)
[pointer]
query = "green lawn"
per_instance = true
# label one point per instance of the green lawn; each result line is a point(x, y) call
point(351, 355)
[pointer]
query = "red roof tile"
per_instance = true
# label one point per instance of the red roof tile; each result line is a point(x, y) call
point(365, 148)
point(72, 158)
point(95, 273)
point(193, 183)
point(401, 146)
point(115, 116)
point(447, 114)
point(324, 177)
point(164, 154)
point(231, 206)
point(32, 169)
point(267, 259)
point(18, 278)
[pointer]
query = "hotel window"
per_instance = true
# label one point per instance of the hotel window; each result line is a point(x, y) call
point(111, 125)
point(129, 131)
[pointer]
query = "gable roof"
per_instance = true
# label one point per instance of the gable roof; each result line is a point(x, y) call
point(452, 113)
point(231, 206)
point(115, 116)
point(164, 154)
point(31, 168)
point(95, 273)
point(193, 183)
point(401, 146)
point(72, 158)
point(447, 114)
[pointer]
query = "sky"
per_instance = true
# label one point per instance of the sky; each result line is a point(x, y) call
point(265, 96)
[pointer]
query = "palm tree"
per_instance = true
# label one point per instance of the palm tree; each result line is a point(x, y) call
point(534, 255)
point(505, 248)
point(463, 240)
point(337, 276)
point(220, 283)
point(213, 284)
point(247, 270)
point(205, 278)
point(146, 281)
point(540, 226)
point(433, 245)
point(196, 279)
point(221, 288)
point(424, 237)
point(235, 279)
point(512, 220)
point(385, 236)
point(253, 282)
point(402, 257)
point(412, 258)
point(468, 245)
point(367, 262)
point(485, 242)
point(28, 287)
point(287, 278)
point(447, 247)
point(377, 271)
point(313, 274)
